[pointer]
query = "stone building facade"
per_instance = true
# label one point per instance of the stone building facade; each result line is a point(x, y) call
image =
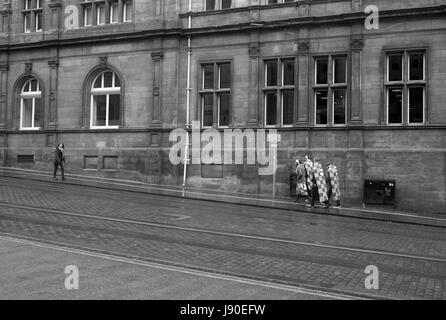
point(109, 79)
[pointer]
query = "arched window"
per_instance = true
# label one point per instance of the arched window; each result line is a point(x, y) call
point(105, 101)
point(31, 105)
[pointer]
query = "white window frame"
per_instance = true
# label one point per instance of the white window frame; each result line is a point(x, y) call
point(402, 105)
point(27, 4)
point(99, 9)
point(104, 92)
point(112, 11)
point(125, 4)
point(39, 14)
point(341, 85)
point(29, 95)
point(27, 17)
point(86, 9)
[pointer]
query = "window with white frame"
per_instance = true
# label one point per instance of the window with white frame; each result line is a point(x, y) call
point(127, 11)
point(330, 90)
point(215, 94)
point(114, 12)
point(217, 4)
point(279, 91)
point(32, 13)
point(405, 87)
point(31, 105)
point(100, 14)
point(105, 101)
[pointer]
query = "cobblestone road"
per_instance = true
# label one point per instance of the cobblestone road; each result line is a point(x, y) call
point(300, 249)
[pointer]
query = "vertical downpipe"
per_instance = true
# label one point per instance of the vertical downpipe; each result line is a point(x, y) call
point(188, 92)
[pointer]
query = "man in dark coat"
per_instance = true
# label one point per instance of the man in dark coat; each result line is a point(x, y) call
point(59, 159)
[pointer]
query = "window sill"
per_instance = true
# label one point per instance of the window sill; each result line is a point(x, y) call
point(103, 128)
point(29, 129)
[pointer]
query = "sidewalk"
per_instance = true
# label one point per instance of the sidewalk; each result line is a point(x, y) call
point(263, 201)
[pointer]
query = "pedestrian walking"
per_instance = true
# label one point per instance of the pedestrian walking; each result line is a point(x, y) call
point(59, 160)
point(320, 182)
point(334, 189)
point(301, 186)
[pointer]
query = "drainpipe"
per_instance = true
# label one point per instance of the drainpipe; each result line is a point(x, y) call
point(188, 92)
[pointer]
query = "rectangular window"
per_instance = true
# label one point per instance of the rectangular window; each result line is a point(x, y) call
point(395, 67)
point(395, 105)
point(216, 94)
point(88, 21)
point(27, 4)
point(27, 113)
point(110, 163)
point(340, 70)
point(114, 12)
point(100, 14)
point(100, 110)
point(38, 21)
point(127, 11)
point(279, 91)
point(321, 106)
point(271, 73)
point(416, 66)
point(113, 109)
point(287, 107)
point(405, 90)
point(416, 104)
point(322, 71)
point(210, 5)
point(90, 162)
point(271, 108)
point(208, 109)
point(223, 109)
point(225, 4)
point(330, 90)
point(339, 106)
point(27, 22)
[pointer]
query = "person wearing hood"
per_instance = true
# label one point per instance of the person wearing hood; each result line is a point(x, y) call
point(59, 160)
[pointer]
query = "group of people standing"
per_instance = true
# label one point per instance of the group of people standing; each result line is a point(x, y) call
point(311, 181)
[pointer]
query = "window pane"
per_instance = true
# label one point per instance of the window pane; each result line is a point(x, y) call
point(416, 66)
point(225, 75)
point(87, 16)
point(128, 10)
point(322, 71)
point(416, 102)
point(271, 73)
point(208, 76)
point(38, 21)
point(288, 104)
point(27, 22)
point(114, 12)
point(208, 110)
point(288, 73)
point(395, 105)
point(340, 70)
point(108, 80)
point(27, 113)
point(101, 14)
point(271, 108)
point(113, 109)
point(210, 4)
point(224, 109)
point(339, 106)
point(33, 85)
point(37, 112)
point(225, 4)
point(98, 82)
point(272, 1)
point(395, 68)
point(99, 110)
point(321, 106)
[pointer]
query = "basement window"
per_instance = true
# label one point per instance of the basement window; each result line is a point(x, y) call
point(25, 158)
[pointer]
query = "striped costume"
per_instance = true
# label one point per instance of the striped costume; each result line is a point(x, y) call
point(332, 175)
point(320, 181)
